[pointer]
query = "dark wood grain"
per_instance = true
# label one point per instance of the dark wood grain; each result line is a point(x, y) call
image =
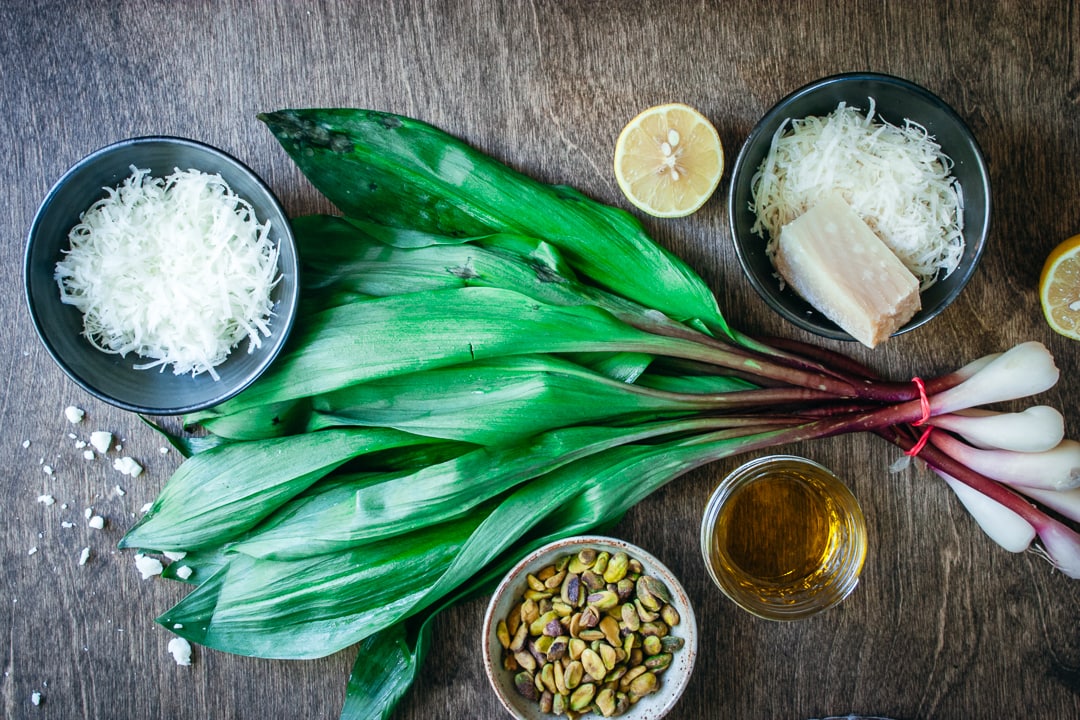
point(943, 625)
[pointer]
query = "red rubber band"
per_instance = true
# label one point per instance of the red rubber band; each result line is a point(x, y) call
point(924, 401)
point(917, 447)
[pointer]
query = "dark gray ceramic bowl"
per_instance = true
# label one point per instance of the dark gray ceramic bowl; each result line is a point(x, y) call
point(896, 100)
point(111, 377)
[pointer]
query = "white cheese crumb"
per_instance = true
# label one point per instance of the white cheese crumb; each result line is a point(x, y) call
point(67, 525)
point(46, 499)
point(88, 454)
point(96, 522)
point(35, 698)
point(178, 626)
point(47, 469)
point(181, 650)
point(128, 466)
point(80, 444)
point(64, 506)
point(26, 443)
point(175, 554)
point(32, 550)
point(88, 512)
point(183, 572)
point(163, 450)
point(101, 439)
point(148, 566)
point(120, 491)
point(84, 555)
point(146, 508)
point(73, 436)
point(73, 414)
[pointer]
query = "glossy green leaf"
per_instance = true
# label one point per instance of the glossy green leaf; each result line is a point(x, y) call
point(500, 401)
point(314, 607)
point(387, 336)
point(351, 511)
point(220, 493)
point(385, 669)
point(399, 171)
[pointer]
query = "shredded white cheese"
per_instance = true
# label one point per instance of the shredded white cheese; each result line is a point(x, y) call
point(177, 270)
point(896, 178)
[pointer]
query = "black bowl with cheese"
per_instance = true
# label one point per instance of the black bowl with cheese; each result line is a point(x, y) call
point(112, 377)
point(896, 100)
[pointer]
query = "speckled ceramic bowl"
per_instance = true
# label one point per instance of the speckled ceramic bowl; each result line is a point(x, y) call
point(896, 100)
point(508, 595)
point(110, 377)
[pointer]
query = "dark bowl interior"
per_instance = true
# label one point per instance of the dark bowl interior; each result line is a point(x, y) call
point(111, 377)
point(896, 100)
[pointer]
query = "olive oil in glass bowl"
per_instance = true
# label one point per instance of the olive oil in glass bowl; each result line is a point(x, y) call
point(783, 538)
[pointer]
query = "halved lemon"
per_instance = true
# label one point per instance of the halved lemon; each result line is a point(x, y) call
point(669, 160)
point(1059, 288)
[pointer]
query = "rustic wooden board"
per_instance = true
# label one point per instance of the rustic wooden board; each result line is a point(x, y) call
point(943, 624)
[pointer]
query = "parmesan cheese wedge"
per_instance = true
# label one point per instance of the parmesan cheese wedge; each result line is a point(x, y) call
point(832, 258)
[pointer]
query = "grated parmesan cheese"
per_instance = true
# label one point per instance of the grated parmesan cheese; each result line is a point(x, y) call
point(177, 270)
point(895, 178)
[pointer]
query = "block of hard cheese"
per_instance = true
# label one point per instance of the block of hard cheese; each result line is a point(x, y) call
point(832, 258)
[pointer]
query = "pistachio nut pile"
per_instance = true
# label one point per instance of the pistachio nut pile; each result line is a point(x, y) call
point(590, 634)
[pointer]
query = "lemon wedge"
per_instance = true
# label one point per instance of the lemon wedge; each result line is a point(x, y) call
point(1059, 288)
point(669, 160)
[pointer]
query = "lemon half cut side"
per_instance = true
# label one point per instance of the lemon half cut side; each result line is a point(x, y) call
point(1059, 288)
point(669, 160)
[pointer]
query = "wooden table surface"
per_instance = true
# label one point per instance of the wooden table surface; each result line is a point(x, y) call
point(944, 624)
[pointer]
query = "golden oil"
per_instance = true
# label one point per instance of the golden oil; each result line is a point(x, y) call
point(784, 537)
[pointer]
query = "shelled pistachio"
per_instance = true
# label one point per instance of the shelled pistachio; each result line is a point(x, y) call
point(590, 633)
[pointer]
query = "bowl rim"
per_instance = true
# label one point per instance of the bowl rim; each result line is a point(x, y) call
point(678, 684)
point(963, 273)
point(285, 235)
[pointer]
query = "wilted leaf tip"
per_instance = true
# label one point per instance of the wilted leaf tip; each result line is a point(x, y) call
point(291, 126)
